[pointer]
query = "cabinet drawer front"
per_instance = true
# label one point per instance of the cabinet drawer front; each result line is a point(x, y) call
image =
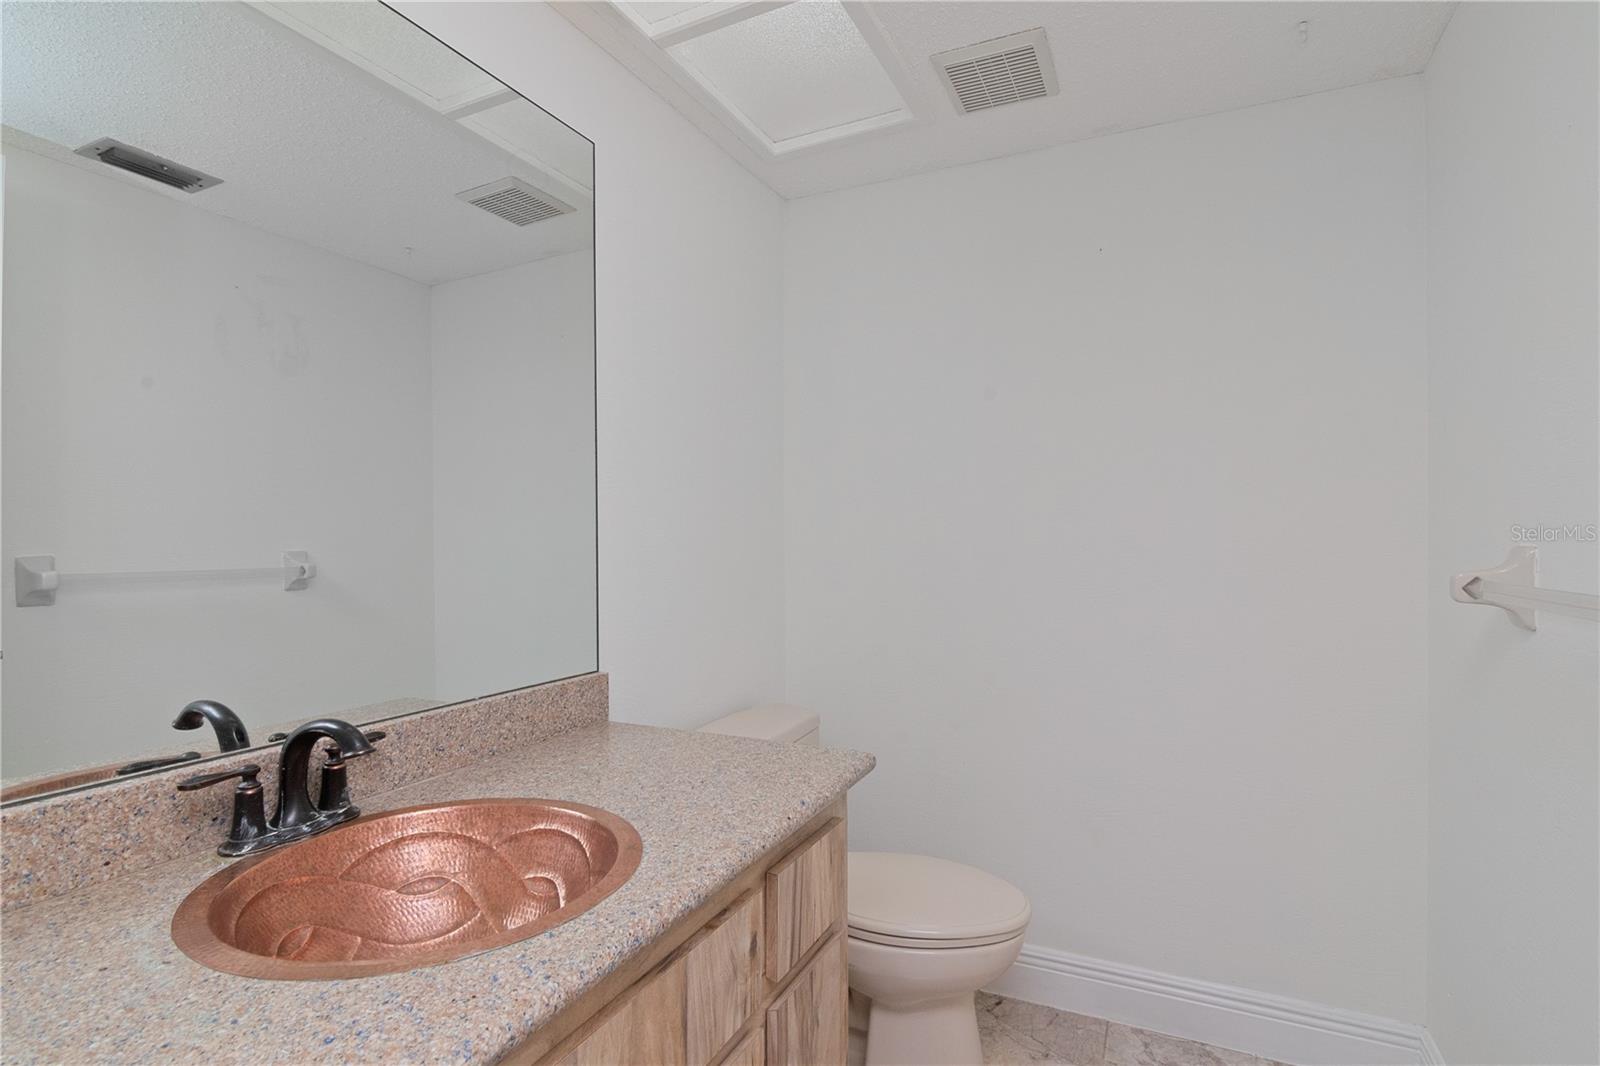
point(724, 978)
point(809, 1024)
point(805, 898)
point(647, 1029)
point(752, 1051)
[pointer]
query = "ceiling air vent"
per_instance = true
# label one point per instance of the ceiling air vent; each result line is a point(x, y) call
point(515, 201)
point(1003, 71)
point(147, 165)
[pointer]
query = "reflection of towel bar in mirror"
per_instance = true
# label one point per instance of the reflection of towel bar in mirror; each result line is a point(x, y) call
point(1513, 587)
point(351, 358)
point(38, 580)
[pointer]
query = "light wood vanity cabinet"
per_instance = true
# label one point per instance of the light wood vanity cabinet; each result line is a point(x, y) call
point(751, 1051)
point(646, 1027)
point(755, 977)
point(724, 978)
point(805, 899)
point(808, 1022)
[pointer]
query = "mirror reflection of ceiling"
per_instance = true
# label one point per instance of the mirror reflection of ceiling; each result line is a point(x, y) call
point(340, 125)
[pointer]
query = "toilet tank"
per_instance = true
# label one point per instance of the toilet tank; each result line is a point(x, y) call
point(770, 721)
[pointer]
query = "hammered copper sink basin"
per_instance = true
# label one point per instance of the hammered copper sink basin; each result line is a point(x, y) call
point(407, 888)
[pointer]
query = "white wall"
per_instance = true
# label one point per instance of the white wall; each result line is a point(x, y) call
point(197, 394)
point(689, 378)
point(513, 436)
point(1512, 339)
point(1106, 531)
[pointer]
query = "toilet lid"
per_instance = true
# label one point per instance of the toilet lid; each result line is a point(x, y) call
point(922, 898)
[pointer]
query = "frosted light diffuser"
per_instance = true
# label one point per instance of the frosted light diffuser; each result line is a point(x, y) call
point(798, 70)
point(653, 11)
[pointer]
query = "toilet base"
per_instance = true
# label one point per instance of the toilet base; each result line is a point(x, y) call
point(922, 1010)
point(939, 1033)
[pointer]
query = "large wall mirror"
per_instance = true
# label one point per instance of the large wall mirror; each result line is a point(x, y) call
point(298, 328)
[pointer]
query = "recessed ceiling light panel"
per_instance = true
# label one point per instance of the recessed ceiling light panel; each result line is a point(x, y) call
point(653, 12)
point(793, 72)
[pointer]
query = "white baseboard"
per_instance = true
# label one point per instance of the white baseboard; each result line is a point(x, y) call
point(1273, 1027)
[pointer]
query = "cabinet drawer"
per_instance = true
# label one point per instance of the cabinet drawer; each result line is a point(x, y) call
point(646, 1029)
point(805, 898)
point(809, 1024)
point(724, 978)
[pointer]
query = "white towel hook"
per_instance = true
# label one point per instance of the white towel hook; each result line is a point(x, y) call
point(1513, 586)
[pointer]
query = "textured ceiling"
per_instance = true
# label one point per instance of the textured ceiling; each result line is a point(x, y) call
point(308, 146)
point(1121, 66)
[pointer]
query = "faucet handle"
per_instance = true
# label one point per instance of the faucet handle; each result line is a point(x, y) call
point(249, 812)
point(246, 773)
point(334, 794)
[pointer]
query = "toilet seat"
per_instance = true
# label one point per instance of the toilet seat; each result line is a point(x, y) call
point(923, 944)
point(917, 901)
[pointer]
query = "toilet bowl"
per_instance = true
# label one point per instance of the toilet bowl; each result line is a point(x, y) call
point(924, 933)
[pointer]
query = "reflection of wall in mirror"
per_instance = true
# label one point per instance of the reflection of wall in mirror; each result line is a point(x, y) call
point(514, 516)
point(185, 391)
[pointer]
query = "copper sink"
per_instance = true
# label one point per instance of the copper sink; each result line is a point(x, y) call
point(407, 888)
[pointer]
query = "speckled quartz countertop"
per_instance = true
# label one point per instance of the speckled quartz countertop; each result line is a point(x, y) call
point(94, 977)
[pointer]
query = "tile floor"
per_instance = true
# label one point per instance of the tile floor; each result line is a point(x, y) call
point(1015, 1033)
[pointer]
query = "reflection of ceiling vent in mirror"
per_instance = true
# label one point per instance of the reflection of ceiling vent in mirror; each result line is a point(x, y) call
point(1003, 71)
point(515, 201)
point(147, 165)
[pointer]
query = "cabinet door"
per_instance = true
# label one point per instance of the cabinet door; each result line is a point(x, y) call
point(646, 1030)
point(751, 1051)
point(724, 978)
point(808, 1024)
point(805, 898)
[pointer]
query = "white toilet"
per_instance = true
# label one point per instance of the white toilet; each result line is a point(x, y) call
point(925, 933)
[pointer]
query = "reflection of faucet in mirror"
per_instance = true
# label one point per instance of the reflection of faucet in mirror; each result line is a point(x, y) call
point(157, 763)
point(231, 734)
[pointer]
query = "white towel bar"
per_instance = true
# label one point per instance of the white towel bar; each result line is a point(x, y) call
point(38, 580)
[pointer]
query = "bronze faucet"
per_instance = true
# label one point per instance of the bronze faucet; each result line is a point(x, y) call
point(295, 809)
point(296, 817)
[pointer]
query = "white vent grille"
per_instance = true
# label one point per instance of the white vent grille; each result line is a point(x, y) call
point(1003, 71)
point(515, 201)
point(147, 165)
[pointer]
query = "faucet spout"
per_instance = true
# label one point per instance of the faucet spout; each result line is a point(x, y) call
point(294, 798)
point(231, 734)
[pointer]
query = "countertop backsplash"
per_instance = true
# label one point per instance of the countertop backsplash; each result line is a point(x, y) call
point(66, 842)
